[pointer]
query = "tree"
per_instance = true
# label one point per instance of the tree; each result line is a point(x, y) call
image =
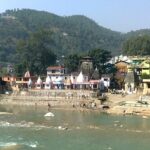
point(110, 68)
point(35, 54)
point(3, 71)
point(71, 34)
point(139, 45)
point(72, 62)
point(100, 57)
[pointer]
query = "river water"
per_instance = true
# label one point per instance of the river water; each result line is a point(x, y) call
point(27, 128)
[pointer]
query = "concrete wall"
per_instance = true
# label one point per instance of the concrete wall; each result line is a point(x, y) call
point(55, 94)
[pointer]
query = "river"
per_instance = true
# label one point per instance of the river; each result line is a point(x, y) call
point(26, 128)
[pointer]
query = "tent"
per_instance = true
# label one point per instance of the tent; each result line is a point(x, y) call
point(72, 79)
point(80, 82)
point(30, 83)
point(80, 78)
point(48, 83)
point(27, 74)
point(39, 83)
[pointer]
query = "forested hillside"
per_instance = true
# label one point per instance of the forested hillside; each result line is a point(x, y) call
point(137, 33)
point(71, 34)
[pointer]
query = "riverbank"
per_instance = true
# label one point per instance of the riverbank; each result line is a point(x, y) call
point(55, 98)
point(77, 100)
point(128, 105)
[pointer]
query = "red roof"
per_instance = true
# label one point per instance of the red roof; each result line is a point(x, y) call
point(94, 81)
point(55, 67)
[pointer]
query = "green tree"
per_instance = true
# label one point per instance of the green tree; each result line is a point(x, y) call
point(71, 34)
point(110, 68)
point(3, 71)
point(139, 45)
point(35, 54)
point(100, 57)
point(72, 62)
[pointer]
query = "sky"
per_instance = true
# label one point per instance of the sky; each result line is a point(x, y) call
point(117, 15)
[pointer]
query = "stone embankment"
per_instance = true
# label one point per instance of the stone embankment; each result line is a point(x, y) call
point(54, 97)
point(78, 99)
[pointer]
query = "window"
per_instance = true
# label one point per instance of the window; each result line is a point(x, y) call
point(53, 71)
point(148, 85)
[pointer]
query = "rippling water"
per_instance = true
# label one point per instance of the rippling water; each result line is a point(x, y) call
point(27, 128)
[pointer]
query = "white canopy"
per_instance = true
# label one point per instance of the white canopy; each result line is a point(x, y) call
point(27, 74)
point(72, 80)
point(39, 81)
point(80, 78)
point(30, 82)
point(48, 80)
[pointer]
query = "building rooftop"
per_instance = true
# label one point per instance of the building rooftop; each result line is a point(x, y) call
point(55, 67)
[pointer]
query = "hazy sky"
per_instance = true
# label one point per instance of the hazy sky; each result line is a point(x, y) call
point(119, 15)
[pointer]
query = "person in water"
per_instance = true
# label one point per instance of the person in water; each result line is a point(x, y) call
point(49, 106)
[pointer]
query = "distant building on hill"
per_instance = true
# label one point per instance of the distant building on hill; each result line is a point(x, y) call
point(8, 17)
